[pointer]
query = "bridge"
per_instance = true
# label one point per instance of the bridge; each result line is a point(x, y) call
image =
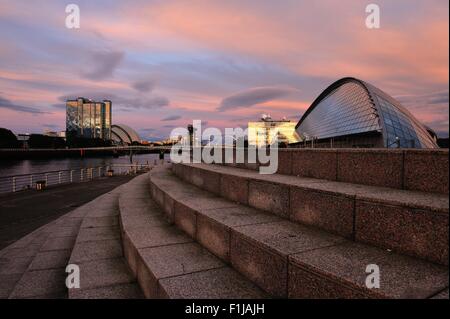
point(20, 153)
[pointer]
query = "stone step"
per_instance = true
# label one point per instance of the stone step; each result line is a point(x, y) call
point(409, 222)
point(99, 255)
point(168, 263)
point(442, 295)
point(34, 266)
point(410, 169)
point(284, 258)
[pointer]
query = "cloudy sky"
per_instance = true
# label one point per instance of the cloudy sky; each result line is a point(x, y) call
point(164, 63)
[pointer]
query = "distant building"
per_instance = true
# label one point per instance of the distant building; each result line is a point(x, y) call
point(172, 140)
point(125, 135)
point(51, 133)
point(61, 134)
point(88, 119)
point(8, 139)
point(266, 130)
point(46, 141)
point(23, 137)
point(354, 113)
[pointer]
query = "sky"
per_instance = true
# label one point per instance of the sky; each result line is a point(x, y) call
point(164, 63)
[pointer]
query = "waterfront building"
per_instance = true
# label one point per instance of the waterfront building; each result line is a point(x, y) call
point(88, 119)
point(264, 131)
point(23, 140)
point(354, 113)
point(124, 135)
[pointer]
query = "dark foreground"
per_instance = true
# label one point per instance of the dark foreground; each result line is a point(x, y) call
point(23, 212)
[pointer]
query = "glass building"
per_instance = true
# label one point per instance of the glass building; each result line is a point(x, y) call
point(354, 113)
point(88, 119)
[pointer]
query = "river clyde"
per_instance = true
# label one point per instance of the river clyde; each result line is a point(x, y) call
point(34, 166)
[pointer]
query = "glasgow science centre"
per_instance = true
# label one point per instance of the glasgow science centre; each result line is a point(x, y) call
point(354, 113)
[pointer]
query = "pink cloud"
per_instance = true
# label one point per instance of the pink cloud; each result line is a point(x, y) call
point(322, 40)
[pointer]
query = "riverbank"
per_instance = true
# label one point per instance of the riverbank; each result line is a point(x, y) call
point(23, 212)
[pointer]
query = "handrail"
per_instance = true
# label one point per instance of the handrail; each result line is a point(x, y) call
point(74, 169)
point(48, 172)
point(13, 183)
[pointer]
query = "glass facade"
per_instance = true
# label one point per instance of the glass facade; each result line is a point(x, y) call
point(72, 118)
point(88, 119)
point(350, 108)
point(344, 111)
point(401, 130)
point(107, 119)
point(99, 111)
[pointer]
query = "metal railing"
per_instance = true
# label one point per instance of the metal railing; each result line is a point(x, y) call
point(15, 183)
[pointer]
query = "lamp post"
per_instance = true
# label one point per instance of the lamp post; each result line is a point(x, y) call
point(396, 142)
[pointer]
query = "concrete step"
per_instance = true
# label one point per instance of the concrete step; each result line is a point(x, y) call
point(409, 222)
point(282, 257)
point(168, 263)
point(98, 253)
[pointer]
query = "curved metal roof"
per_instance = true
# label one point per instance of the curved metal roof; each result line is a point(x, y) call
point(124, 133)
point(326, 92)
point(350, 106)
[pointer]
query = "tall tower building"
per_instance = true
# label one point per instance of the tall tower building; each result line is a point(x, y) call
point(88, 119)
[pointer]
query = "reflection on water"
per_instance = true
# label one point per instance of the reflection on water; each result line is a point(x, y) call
point(18, 167)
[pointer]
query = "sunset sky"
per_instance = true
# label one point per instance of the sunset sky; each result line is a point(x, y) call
point(164, 63)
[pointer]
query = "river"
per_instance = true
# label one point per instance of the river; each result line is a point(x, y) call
point(19, 167)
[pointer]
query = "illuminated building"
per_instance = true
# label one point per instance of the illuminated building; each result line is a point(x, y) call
point(88, 119)
point(265, 131)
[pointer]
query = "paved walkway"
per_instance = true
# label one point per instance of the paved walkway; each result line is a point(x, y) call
point(21, 213)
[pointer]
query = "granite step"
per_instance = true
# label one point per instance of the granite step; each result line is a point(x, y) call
point(98, 253)
point(34, 266)
point(409, 222)
point(166, 262)
point(411, 169)
point(285, 258)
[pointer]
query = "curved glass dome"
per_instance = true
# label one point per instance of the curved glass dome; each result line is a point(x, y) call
point(124, 134)
point(351, 106)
